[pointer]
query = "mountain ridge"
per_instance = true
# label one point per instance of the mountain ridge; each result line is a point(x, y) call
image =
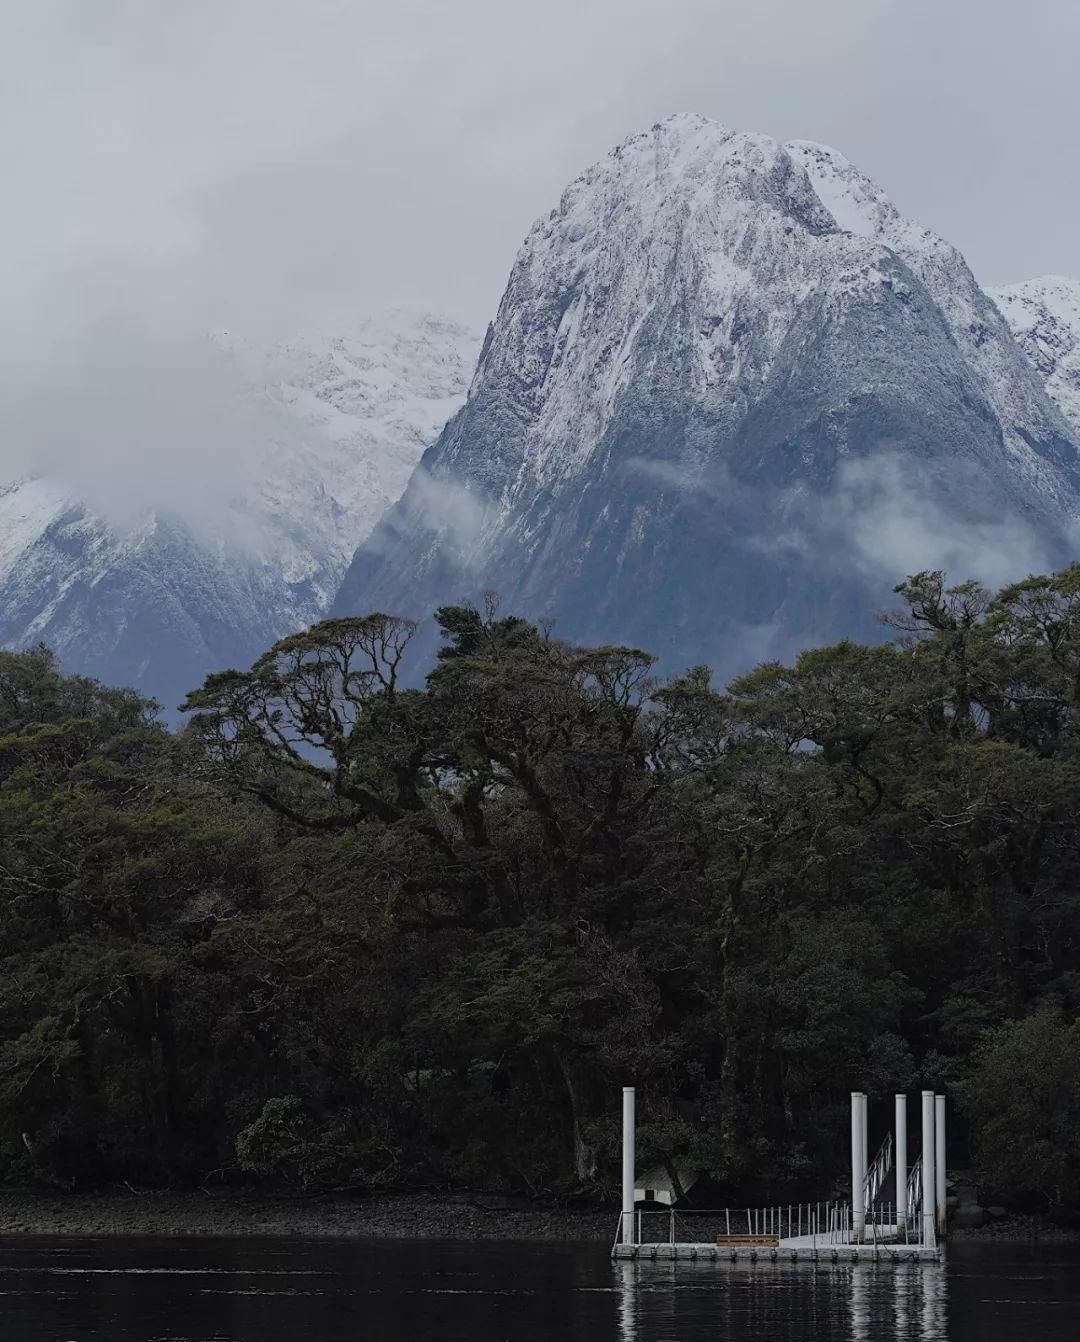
point(696, 392)
point(730, 395)
point(1044, 316)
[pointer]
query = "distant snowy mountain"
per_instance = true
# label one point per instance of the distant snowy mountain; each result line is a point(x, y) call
point(1044, 315)
point(160, 600)
point(731, 395)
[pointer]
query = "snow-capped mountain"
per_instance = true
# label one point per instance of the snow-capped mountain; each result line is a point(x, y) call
point(1044, 315)
point(731, 395)
point(160, 599)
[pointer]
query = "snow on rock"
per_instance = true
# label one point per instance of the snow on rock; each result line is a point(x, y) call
point(721, 371)
point(860, 206)
point(1044, 315)
point(27, 509)
point(730, 396)
point(161, 600)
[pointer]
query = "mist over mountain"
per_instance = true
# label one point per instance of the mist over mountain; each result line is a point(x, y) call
point(137, 581)
point(731, 395)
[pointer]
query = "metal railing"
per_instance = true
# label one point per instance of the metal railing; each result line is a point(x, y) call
point(820, 1222)
point(878, 1172)
point(884, 1225)
point(914, 1201)
point(804, 1225)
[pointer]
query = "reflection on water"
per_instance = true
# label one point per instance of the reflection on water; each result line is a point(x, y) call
point(142, 1290)
point(861, 1301)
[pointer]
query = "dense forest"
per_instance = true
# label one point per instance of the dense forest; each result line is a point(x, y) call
point(349, 933)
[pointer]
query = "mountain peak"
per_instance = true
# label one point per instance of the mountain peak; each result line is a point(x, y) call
point(687, 225)
point(685, 124)
point(688, 151)
point(680, 131)
point(726, 384)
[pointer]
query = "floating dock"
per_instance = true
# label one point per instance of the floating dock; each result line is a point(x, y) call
point(781, 1253)
point(895, 1214)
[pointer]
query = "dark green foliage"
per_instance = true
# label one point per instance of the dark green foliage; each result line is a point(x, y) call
point(348, 934)
point(1023, 1095)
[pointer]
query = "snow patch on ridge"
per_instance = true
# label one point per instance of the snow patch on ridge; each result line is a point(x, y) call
point(857, 204)
point(1044, 315)
point(27, 509)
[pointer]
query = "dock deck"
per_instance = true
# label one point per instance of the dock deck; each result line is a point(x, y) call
point(801, 1249)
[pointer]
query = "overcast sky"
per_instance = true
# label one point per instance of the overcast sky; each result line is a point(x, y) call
point(270, 166)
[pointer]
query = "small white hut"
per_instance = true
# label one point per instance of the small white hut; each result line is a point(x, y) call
point(657, 1185)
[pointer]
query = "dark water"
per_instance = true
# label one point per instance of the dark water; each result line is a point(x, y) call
point(144, 1290)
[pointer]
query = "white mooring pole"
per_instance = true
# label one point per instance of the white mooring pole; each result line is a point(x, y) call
point(863, 1108)
point(628, 1165)
point(929, 1179)
point(858, 1167)
point(900, 1144)
point(939, 1162)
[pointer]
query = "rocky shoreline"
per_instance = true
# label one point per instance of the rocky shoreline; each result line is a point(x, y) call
point(229, 1213)
point(407, 1216)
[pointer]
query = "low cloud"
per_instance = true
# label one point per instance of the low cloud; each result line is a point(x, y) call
point(897, 525)
point(447, 508)
point(887, 513)
point(128, 399)
point(127, 418)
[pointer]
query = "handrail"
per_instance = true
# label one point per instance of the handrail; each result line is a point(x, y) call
point(876, 1174)
point(821, 1225)
point(825, 1223)
point(914, 1198)
point(914, 1185)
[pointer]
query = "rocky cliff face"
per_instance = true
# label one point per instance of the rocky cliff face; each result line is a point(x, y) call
point(983, 336)
point(729, 398)
point(160, 599)
point(1044, 316)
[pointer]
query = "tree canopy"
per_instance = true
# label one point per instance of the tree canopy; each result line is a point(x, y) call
point(353, 933)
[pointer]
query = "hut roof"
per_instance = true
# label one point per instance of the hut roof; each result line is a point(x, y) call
point(658, 1179)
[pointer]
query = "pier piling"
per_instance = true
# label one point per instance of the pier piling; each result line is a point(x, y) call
point(628, 1164)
